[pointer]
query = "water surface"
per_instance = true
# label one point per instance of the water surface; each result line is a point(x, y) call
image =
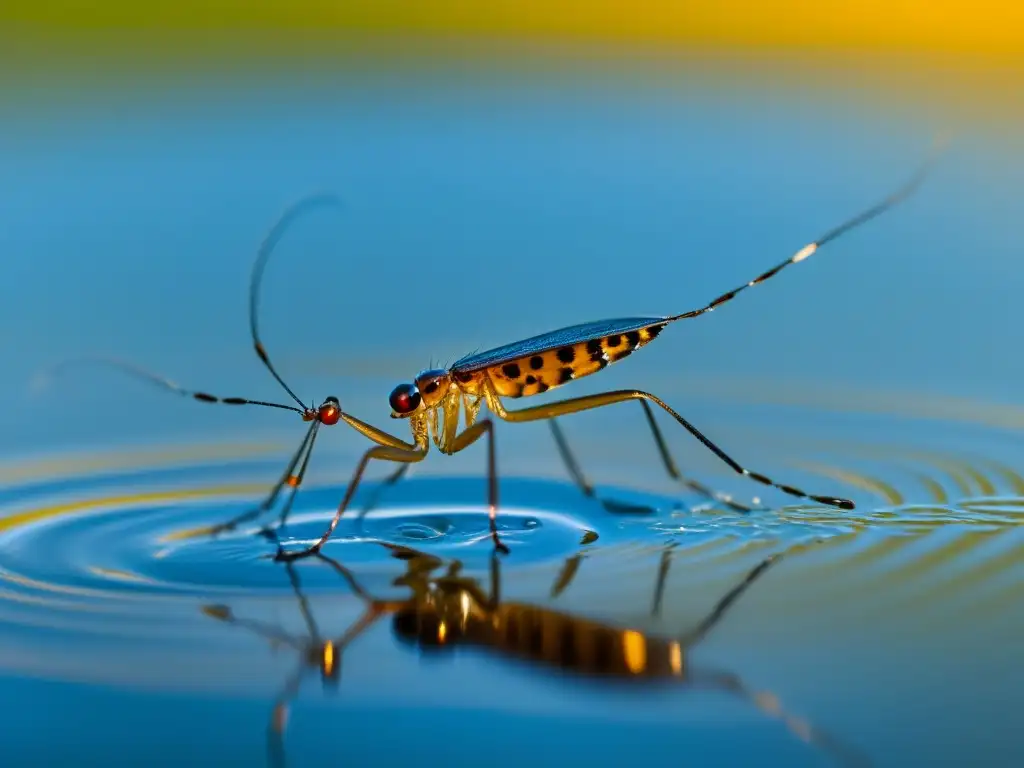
point(478, 211)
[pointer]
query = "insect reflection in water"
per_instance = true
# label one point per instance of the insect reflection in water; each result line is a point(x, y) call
point(447, 610)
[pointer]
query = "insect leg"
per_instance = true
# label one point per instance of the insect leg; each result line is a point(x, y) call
point(666, 459)
point(274, 635)
point(383, 453)
point(675, 474)
point(350, 579)
point(495, 597)
point(572, 564)
point(271, 633)
point(588, 402)
point(726, 602)
point(379, 436)
point(659, 587)
point(734, 594)
point(769, 704)
point(569, 459)
point(566, 574)
point(304, 608)
point(374, 610)
point(279, 715)
point(289, 478)
point(466, 439)
point(294, 481)
point(279, 712)
point(331, 661)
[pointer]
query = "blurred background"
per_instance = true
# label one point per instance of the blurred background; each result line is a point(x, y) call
point(507, 169)
point(491, 154)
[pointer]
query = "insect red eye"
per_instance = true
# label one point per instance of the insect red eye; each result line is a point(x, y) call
point(329, 414)
point(405, 398)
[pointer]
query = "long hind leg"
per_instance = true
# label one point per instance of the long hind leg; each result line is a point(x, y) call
point(589, 402)
point(573, 467)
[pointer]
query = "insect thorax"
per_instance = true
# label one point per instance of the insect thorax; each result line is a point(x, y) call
point(471, 382)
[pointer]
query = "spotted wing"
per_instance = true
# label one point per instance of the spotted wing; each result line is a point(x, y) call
point(543, 362)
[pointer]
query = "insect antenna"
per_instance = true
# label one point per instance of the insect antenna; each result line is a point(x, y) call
point(264, 253)
point(833, 234)
point(44, 378)
point(262, 256)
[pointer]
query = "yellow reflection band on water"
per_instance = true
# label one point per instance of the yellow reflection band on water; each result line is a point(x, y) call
point(57, 510)
point(121, 575)
point(147, 458)
point(21, 519)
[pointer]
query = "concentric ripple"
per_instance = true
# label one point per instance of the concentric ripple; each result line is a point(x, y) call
point(117, 547)
point(146, 533)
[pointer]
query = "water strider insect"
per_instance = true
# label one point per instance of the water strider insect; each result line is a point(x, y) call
point(448, 610)
point(436, 400)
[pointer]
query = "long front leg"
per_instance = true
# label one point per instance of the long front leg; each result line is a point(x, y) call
point(290, 478)
point(466, 439)
point(383, 453)
point(588, 402)
point(294, 481)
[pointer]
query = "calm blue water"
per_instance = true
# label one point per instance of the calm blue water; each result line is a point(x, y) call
point(481, 209)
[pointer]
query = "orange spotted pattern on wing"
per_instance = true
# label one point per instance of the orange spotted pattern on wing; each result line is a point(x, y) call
point(533, 374)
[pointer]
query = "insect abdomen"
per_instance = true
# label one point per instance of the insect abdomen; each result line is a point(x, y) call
point(581, 645)
point(533, 374)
